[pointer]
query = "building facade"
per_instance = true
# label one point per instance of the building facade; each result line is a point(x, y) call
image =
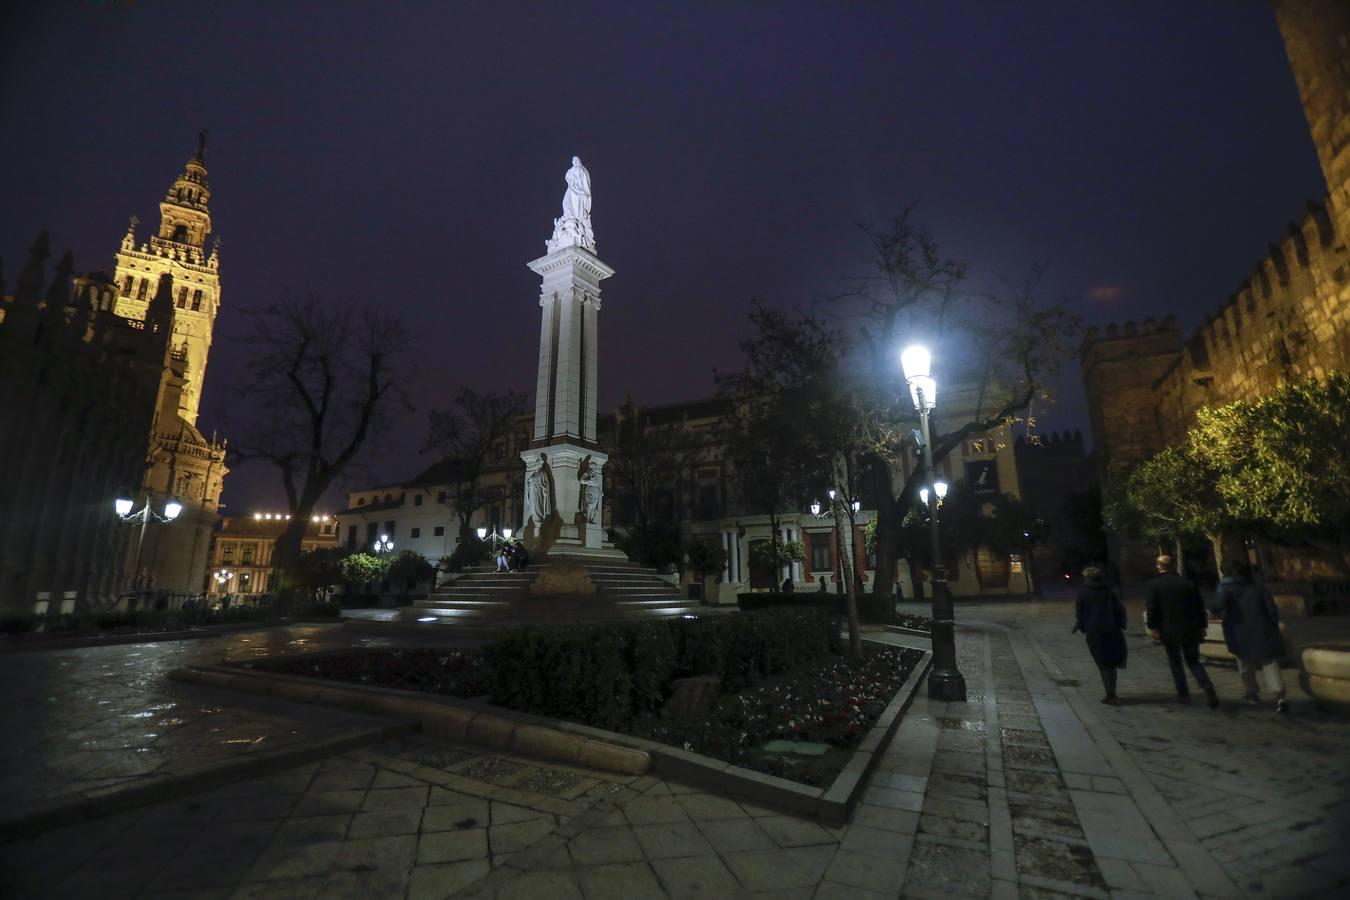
point(1289, 320)
point(241, 552)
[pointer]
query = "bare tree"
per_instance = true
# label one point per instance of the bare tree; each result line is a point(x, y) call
point(470, 434)
point(322, 378)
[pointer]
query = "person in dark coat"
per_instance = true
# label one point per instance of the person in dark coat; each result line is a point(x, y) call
point(1251, 629)
point(1176, 616)
point(1100, 616)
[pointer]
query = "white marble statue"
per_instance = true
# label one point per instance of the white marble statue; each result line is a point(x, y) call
point(591, 493)
point(536, 494)
point(573, 229)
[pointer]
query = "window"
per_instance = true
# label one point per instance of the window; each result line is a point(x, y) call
point(416, 532)
point(326, 529)
point(441, 497)
point(360, 501)
point(196, 299)
point(389, 529)
point(351, 537)
point(388, 498)
point(820, 554)
point(439, 531)
point(182, 297)
point(372, 532)
point(141, 289)
point(126, 287)
point(246, 554)
point(180, 234)
point(227, 552)
point(417, 501)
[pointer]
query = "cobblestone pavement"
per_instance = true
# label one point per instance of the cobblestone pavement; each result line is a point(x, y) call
point(1030, 789)
point(100, 717)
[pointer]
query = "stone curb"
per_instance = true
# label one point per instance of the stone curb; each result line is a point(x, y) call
point(29, 645)
point(912, 632)
point(569, 742)
point(70, 809)
point(443, 717)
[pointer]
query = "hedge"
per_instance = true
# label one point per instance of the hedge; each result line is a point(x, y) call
point(604, 675)
point(780, 599)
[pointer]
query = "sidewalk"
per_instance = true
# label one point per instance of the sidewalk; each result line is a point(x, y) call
point(1031, 789)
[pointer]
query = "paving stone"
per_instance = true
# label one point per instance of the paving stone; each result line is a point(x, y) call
point(874, 842)
point(518, 835)
point(472, 813)
point(509, 813)
point(554, 885)
point(954, 763)
point(1056, 860)
point(893, 799)
point(387, 779)
point(452, 846)
point(395, 798)
point(618, 881)
point(942, 826)
point(435, 882)
point(900, 782)
point(597, 846)
point(780, 870)
point(868, 871)
point(696, 877)
point(386, 822)
point(788, 831)
point(355, 779)
point(959, 787)
point(312, 830)
point(654, 810)
point(945, 870)
point(702, 807)
point(731, 835)
point(492, 769)
point(887, 819)
point(295, 861)
point(671, 839)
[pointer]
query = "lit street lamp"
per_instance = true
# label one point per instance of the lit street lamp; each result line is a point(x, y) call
point(142, 517)
point(945, 681)
point(495, 537)
point(383, 544)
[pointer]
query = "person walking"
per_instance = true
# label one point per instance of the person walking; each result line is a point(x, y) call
point(1100, 616)
point(1176, 616)
point(1251, 629)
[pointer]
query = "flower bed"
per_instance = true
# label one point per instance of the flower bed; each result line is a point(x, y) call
point(914, 623)
point(781, 674)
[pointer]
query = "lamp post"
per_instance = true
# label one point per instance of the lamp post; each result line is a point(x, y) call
point(142, 517)
point(383, 544)
point(945, 681)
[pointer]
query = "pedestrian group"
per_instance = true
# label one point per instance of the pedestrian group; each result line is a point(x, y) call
point(1176, 617)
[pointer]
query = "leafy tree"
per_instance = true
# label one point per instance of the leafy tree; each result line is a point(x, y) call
point(657, 545)
point(322, 378)
point(472, 433)
point(706, 557)
point(363, 568)
point(408, 568)
point(320, 570)
point(644, 459)
point(776, 555)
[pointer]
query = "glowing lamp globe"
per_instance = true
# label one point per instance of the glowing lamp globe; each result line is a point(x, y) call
point(940, 488)
point(122, 505)
point(482, 533)
point(916, 362)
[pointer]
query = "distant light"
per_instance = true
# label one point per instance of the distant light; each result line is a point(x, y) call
point(257, 515)
point(941, 488)
point(122, 505)
point(482, 533)
point(384, 539)
point(687, 616)
point(857, 505)
point(815, 507)
point(923, 495)
point(172, 509)
point(506, 533)
point(831, 493)
point(427, 619)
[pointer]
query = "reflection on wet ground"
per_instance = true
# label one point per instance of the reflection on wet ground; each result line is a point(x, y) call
point(99, 717)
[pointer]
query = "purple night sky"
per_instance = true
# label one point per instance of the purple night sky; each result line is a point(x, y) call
point(412, 154)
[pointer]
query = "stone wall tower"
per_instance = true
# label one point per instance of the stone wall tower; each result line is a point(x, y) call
point(179, 250)
point(564, 492)
point(1317, 38)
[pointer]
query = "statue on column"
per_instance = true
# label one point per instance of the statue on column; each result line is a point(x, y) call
point(591, 492)
point(573, 229)
point(536, 493)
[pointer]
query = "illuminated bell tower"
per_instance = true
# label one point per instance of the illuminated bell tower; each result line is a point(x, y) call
point(179, 250)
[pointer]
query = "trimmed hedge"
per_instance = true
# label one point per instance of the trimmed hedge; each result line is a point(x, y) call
point(779, 600)
point(605, 675)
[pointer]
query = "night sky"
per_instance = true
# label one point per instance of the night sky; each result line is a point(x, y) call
point(412, 154)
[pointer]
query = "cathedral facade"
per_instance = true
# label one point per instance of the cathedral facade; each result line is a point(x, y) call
point(105, 372)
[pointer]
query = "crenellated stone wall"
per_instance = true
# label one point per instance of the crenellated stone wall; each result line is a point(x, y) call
point(1288, 320)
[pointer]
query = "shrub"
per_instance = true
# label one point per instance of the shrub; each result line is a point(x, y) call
point(605, 675)
point(779, 600)
point(362, 568)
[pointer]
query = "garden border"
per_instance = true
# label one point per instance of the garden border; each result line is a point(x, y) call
point(205, 632)
point(554, 740)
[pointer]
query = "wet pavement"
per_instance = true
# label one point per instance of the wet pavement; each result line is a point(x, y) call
point(1032, 788)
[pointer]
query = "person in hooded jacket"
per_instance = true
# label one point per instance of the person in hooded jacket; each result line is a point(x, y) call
point(1251, 629)
point(1100, 616)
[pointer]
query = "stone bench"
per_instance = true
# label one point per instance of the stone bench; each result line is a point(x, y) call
point(1325, 674)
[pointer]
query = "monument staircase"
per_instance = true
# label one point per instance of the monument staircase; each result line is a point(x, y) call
point(483, 601)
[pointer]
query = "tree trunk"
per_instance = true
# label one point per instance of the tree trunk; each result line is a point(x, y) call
point(851, 594)
point(888, 532)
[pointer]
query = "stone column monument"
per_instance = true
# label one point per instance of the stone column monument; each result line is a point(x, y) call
point(564, 480)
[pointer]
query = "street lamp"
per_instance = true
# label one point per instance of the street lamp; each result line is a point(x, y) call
point(383, 544)
point(945, 681)
point(142, 517)
point(838, 540)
